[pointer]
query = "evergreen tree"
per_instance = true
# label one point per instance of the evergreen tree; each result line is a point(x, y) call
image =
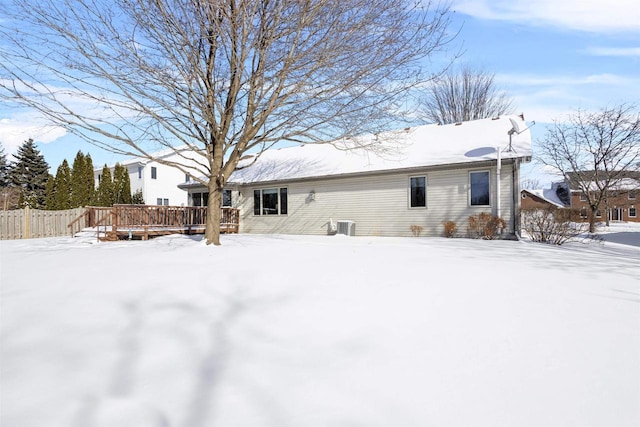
point(82, 181)
point(89, 185)
point(30, 173)
point(137, 198)
point(50, 191)
point(121, 185)
point(105, 194)
point(4, 168)
point(9, 195)
point(62, 187)
point(78, 196)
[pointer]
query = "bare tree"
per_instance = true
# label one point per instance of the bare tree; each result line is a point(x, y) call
point(595, 152)
point(530, 184)
point(223, 78)
point(468, 94)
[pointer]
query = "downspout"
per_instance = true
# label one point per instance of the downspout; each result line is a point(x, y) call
point(515, 185)
point(499, 165)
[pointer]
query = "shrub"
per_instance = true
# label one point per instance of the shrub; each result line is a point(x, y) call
point(416, 230)
point(450, 228)
point(552, 225)
point(485, 226)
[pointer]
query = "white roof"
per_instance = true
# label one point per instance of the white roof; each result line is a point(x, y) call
point(623, 184)
point(422, 146)
point(549, 195)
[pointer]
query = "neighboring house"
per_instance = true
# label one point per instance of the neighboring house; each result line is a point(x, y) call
point(621, 202)
point(157, 182)
point(418, 176)
point(555, 197)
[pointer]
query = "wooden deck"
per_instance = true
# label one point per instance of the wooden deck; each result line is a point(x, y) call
point(146, 221)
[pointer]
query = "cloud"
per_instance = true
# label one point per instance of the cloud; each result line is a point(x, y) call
point(545, 98)
point(15, 130)
point(613, 51)
point(591, 16)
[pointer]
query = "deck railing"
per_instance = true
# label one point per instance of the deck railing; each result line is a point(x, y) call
point(147, 220)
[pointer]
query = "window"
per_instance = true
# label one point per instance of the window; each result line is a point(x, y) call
point(479, 188)
point(166, 202)
point(632, 195)
point(583, 197)
point(632, 212)
point(159, 201)
point(270, 201)
point(583, 213)
point(226, 198)
point(154, 172)
point(139, 172)
point(598, 213)
point(418, 187)
point(199, 199)
point(187, 178)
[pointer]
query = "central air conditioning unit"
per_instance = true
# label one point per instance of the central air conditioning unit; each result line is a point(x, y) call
point(348, 228)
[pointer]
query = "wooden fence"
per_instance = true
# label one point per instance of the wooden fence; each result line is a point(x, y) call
point(33, 223)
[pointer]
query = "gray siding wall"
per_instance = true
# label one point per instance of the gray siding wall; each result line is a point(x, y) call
point(378, 204)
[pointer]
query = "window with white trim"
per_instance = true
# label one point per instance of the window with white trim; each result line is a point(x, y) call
point(632, 212)
point(479, 188)
point(632, 195)
point(226, 199)
point(583, 197)
point(154, 172)
point(200, 199)
point(270, 201)
point(418, 191)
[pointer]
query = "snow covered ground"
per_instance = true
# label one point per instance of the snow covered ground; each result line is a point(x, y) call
point(319, 331)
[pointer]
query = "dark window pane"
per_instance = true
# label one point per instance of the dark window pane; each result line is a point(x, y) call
point(270, 201)
point(283, 201)
point(196, 199)
point(205, 199)
point(418, 192)
point(154, 173)
point(226, 198)
point(479, 188)
point(256, 202)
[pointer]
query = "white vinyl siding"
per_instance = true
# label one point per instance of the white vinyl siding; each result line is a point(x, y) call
point(376, 203)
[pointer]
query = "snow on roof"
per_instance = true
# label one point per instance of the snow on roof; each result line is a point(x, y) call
point(422, 146)
point(623, 184)
point(547, 194)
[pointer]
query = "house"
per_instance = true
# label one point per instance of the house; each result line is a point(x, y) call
point(620, 203)
point(555, 197)
point(156, 181)
point(419, 176)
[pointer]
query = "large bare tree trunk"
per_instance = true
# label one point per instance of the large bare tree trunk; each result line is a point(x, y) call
point(212, 231)
point(592, 220)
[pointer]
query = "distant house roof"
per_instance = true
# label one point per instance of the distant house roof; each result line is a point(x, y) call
point(549, 195)
point(626, 180)
point(422, 146)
